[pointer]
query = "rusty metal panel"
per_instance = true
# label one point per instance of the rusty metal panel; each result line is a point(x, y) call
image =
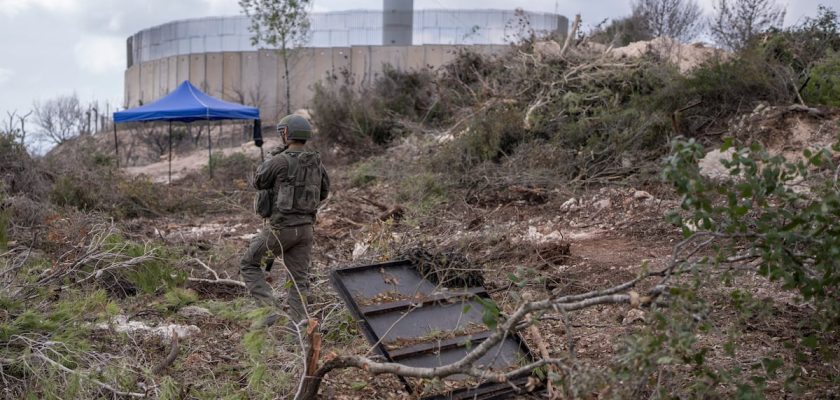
point(414, 322)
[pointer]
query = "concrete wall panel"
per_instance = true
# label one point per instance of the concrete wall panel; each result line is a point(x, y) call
point(322, 64)
point(257, 78)
point(132, 86)
point(250, 83)
point(147, 82)
point(268, 84)
point(416, 57)
point(183, 69)
point(341, 60)
point(302, 69)
point(433, 55)
point(155, 80)
point(360, 68)
point(232, 77)
point(198, 72)
point(172, 66)
point(214, 73)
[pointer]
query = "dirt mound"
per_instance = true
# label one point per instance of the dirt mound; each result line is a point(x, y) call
point(685, 56)
point(786, 131)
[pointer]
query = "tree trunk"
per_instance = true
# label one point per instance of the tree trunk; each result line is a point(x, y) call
point(288, 81)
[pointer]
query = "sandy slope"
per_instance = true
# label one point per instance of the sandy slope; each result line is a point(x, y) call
point(183, 164)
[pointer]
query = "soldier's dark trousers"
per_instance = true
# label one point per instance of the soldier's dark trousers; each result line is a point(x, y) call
point(294, 246)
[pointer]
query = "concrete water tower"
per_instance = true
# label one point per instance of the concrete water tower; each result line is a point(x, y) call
point(397, 22)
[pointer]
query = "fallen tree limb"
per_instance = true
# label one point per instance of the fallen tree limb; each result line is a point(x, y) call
point(571, 35)
point(216, 278)
point(466, 365)
point(170, 358)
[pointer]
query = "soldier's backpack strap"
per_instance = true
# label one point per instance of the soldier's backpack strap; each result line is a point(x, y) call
point(293, 164)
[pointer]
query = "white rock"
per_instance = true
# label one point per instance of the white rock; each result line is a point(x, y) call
point(711, 166)
point(534, 236)
point(602, 204)
point(642, 195)
point(120, 323)
point(569, 205)
point(194, 312)
point(359, 249)
point(633, 316)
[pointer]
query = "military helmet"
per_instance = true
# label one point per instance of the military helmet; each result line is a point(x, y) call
point(298, 127)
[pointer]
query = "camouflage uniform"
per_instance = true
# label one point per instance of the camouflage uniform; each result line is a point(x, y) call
point(289, 235)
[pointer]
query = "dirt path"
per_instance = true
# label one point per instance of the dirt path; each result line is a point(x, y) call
point(183, 164)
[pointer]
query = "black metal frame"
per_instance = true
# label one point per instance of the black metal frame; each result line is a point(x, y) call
point(487, 390)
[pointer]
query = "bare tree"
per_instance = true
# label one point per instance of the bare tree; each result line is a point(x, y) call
point(736, 22)
point(59, 119)
point(676, 19)
point(279, 23)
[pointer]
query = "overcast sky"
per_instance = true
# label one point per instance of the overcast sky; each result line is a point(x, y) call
point(53, 47)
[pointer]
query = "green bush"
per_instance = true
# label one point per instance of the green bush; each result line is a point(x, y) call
point(363, 174)
point(724, 88)
point(374, 114)
point(824, 83)
point(490, 136)
point(793, 232)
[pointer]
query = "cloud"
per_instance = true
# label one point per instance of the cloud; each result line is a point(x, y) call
point(5, 75)
point(14, 7)
point(100, 54)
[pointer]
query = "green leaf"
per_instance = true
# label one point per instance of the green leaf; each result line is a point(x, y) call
point(810, 342)
point(771, 365)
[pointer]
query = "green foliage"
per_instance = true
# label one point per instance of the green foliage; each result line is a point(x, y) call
point(4, 226)
point(725, 88)
point(364, 173)
point(177, 298)
point(824, 83)
point(424, 190)
point(170, 390)
point(802, 46)
point(782, 212)
point(277, 23)
point(492, 135)
point(374, 114)
point(154, 275)
point(621, 31)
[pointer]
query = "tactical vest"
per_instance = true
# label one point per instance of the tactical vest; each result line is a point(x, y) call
point(299, 192)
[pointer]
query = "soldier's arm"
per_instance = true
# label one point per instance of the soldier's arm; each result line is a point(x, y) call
point(325, 183)
point(268, 171)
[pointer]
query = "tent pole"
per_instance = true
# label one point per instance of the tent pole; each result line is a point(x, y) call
point(170, 152)
point(116, 145)
point(209, 150)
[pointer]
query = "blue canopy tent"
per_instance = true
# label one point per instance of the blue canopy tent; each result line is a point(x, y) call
point(188, 104)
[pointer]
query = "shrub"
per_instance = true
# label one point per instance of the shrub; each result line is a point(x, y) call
point(491, 135)
point(363, 174)
point(824, 83)
point(725, 88)
point(374, 114)
point(793, 233)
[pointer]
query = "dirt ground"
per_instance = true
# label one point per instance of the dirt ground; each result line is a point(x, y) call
point(613, 234)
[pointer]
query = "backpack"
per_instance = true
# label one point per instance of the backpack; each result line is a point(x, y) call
point(263, 202)
point(300, 191)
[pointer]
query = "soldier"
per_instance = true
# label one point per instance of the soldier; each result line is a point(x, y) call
point(297, 183)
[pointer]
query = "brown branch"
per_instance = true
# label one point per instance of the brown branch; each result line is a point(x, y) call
point(571, 35)
point(466, 364)
point(541, 345)
point(170, 358)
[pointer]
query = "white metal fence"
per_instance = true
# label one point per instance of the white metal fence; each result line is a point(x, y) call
point(342, 29)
